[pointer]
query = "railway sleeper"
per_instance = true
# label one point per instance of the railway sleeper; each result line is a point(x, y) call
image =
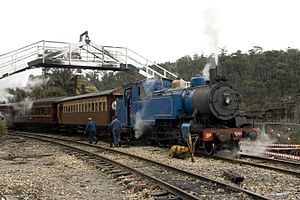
point(121, 175)
point(169, 197)
point(158, 194)
point(115, 171)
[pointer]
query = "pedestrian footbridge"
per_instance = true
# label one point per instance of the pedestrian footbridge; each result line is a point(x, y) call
point(82, 55)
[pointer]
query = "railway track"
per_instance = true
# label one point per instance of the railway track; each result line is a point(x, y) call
point(181, 183)
point(283, 166)
point(272, 159)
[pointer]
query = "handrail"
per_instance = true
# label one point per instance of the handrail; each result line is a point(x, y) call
point(22, 48)
point(91, 52)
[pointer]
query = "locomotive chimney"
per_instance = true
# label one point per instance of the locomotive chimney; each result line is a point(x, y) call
point(212, 69)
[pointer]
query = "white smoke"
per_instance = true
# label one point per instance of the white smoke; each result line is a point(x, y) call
point(148, 85)
point(260, 145)
point(205, 71)
point(23, 107)
point(35, 82)
point(9, 82)
point(139, 126)
point(210, 64)
point(21, 81)
point(211, 28)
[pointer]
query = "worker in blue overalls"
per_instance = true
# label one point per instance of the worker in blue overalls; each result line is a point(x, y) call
point(115, 127)
point(91, 129)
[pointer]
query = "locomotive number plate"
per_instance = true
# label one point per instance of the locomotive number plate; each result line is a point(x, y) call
point(238, 133)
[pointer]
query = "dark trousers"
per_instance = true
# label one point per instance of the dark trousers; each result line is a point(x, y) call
point(92, 136)
point(117, 139)
point(110, 138)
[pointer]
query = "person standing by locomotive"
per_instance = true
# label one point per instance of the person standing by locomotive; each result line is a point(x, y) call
point(115, 127)
point(91, 129)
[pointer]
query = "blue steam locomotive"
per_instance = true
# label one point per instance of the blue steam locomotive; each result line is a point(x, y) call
point(164, 111)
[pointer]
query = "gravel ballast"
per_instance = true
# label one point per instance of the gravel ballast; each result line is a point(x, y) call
point(31, 169)
point(34, 170)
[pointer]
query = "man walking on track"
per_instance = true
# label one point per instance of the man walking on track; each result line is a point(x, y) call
point(115, 127)
point(91, 129)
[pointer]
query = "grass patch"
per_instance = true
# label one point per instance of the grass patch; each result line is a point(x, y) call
point(3, 129)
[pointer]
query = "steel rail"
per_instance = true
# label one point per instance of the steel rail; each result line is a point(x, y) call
point(174, 190)
point(183, 172)
point(296, 164)
point(274, 168)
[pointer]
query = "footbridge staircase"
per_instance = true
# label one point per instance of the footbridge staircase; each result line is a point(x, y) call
point(82, 55)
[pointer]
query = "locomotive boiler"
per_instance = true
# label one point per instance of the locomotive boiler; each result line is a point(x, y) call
point(164, 111)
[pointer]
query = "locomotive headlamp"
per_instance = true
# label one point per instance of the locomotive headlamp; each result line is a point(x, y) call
point(227, 100)
point(252, 135)
point(222, 137)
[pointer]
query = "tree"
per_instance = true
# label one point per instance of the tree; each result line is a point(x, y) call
point(17, 95)
point(53, 92)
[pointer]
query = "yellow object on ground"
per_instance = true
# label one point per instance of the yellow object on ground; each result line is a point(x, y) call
point(181, 152)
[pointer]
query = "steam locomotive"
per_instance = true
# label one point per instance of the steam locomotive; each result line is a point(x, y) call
point(158, 111)
point(165, 112)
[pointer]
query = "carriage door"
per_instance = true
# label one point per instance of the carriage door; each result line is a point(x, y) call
point(128, 104)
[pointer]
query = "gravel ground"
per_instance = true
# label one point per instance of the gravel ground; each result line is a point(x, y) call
point(34, 170)
point(272, 184)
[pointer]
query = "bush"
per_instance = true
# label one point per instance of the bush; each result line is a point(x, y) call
point(3, 129)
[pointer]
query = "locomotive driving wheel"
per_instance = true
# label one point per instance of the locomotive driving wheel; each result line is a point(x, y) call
point(210, 148)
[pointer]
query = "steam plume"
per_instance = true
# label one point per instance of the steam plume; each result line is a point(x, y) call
point(259, 146)
point(211, 29)
point(148, 87)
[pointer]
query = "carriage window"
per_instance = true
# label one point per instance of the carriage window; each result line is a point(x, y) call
point(48, 111)
point(100, 106)
point(93, 107)
point(104, 106)
point(97, 106)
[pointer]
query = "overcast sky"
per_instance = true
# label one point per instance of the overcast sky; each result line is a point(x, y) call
point(160, 30)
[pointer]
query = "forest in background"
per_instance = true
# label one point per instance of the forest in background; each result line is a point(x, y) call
point(264, 78)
